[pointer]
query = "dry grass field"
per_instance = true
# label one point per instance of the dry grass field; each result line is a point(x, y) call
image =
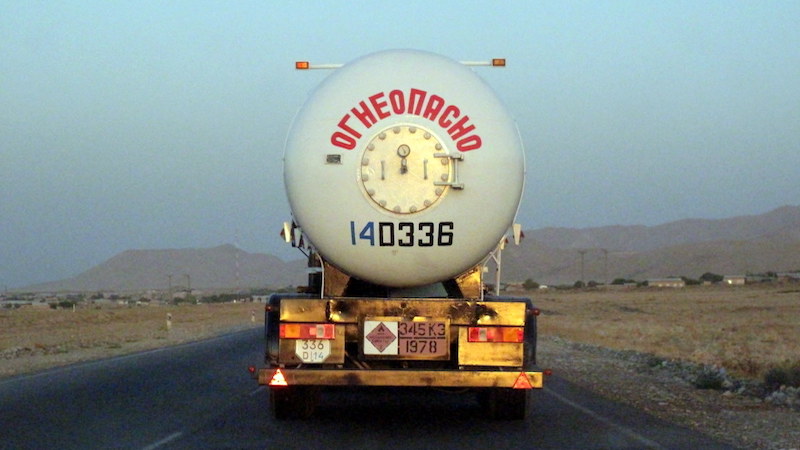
point(36, 338)
point(746, 329)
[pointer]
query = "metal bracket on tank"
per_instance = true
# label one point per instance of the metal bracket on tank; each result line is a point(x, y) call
point(455, 182)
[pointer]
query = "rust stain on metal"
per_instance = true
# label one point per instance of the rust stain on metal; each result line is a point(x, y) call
point(352, 379)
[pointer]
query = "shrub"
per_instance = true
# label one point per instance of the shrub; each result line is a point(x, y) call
point(711, 277)
point(708, 379)
point(64, 304)
point(654, 361)
point(690, 281)
point(189, 299)
point(787, 375)
point(530, 285)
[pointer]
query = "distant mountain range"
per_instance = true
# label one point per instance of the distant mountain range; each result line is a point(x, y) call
point(735, 246)
point(224, 266)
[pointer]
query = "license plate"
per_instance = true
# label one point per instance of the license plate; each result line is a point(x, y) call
point(424, 339)
point(312, 350)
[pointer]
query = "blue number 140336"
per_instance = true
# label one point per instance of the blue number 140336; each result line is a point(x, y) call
point(402, 234)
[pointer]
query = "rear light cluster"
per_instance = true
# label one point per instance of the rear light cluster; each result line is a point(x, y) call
point(307, 331)
point(496, 334)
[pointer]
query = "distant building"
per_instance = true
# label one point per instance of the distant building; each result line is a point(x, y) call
point(666, 283)
point(788, 277)
point(17, 303)
point(516, 286)
point(753, 279)
point(14, 303)
point(734, 280)
point(261, 298)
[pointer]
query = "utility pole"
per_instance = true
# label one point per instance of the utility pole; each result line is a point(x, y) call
point(188, 283)
point(582, 252)
point(169, 289)
point(605, 265)
point(238, 279)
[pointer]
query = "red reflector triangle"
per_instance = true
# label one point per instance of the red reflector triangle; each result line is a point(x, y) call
point(278, 379)
point(523, 382)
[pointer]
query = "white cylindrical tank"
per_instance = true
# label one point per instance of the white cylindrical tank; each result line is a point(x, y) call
point(403, 168)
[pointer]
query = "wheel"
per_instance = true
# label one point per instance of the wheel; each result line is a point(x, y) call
point(295, 402)
point(505, 403)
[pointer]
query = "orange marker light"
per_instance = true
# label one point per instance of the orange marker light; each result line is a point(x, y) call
point(301, 65)
point(498, 62)
point(512, 335)
point(290, 331)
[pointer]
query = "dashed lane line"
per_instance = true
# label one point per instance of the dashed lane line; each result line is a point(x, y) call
point(164, 441)
point(256, 391)
point(624, 430)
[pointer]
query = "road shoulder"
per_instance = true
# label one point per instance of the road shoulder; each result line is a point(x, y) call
point(738, 419)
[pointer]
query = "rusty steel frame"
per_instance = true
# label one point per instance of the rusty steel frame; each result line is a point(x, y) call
point(400, 378)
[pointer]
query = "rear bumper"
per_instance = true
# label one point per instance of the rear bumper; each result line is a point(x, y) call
point(404, 378)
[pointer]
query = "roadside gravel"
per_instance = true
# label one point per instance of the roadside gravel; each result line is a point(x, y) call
point(737, 414)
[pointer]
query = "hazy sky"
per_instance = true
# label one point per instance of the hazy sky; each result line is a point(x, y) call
point(143, 125)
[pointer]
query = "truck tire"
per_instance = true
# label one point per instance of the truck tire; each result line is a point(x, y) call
point(505, 403)
point(296, 402)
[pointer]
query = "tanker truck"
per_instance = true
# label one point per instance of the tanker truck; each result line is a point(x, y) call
point(404, 173)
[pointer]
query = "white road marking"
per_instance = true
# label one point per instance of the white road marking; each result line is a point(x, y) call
point(626, 431)
point(164, 441)
point(256, 391)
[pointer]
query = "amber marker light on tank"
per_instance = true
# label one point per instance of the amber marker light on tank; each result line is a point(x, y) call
point(494, 62)
point(305, 65)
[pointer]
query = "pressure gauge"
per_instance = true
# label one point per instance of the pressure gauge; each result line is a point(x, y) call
point(403, 151)
point(405, 169)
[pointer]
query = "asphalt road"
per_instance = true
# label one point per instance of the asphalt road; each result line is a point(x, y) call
point(200, 395)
